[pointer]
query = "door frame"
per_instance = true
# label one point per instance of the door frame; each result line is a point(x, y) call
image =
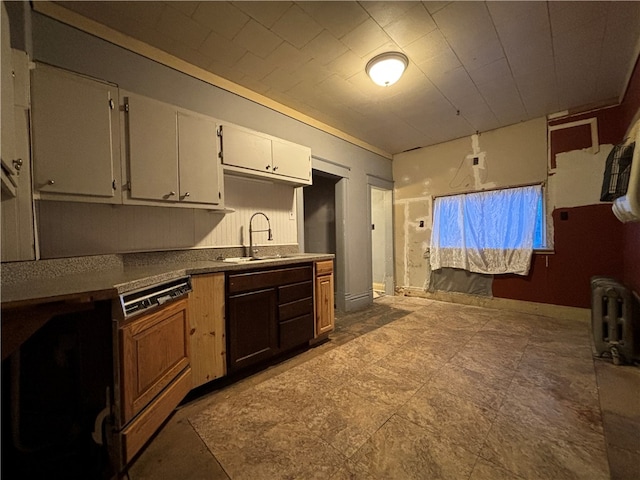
point(377, 183)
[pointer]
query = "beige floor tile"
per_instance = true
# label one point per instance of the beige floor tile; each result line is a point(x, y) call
point(484, 470)
point(403, 450)
point(380, 385)
point(450, 416)
point(538, 454)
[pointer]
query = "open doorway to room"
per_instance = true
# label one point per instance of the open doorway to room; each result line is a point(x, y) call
point(381, 241)
point(324, 204)
point(320, 214)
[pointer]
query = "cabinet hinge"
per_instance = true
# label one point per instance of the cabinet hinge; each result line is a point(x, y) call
point(219, 132)
point(112, 105)
point(114, 184)
point(219, 195)
point(220, 155)
point(127, 186)
point(126, 107)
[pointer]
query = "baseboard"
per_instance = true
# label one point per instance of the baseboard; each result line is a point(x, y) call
point(545, 309)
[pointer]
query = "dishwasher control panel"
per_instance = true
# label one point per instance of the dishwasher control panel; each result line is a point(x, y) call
point(143, 299)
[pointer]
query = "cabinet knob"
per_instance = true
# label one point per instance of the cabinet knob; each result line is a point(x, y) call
point(171, 194)
point(268, 167)
point(50, 182)
point(275, 168)
point(187, 194)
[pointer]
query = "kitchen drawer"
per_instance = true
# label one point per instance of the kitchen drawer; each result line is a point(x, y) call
point(297, 291)
point(295, 332)
point(324, 267)
point(295, 309)
point(258, 279)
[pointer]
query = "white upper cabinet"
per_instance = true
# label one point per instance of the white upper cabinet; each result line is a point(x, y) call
point(76, 148)
point(152, 140)
point(200, 170)
point(250, 153)
point(171, 155)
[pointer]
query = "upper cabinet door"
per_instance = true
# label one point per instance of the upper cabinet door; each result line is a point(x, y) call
point(246, 149)
point(152, 139)
point(200, 179)
point(75, 136)
point(291, 160)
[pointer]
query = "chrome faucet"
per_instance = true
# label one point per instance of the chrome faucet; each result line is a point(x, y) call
point(252, 252)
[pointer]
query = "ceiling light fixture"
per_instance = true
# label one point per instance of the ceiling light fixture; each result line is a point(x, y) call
point(387, 68)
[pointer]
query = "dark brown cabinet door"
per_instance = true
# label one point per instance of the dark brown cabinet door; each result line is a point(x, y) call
point(253, 329)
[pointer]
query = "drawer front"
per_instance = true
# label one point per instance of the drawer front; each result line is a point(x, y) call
point(296, 332)
point(297, 291)
point(154, 350)
point(324, 267)
point(295, 309)
point(257, 279)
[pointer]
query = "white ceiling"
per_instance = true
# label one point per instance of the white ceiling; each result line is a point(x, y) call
point(473, 66)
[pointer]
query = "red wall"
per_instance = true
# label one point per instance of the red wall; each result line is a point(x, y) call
point(631, 231)
point(591, 241)
point(588, 243)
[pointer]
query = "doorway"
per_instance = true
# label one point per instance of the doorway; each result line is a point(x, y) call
point(381, 241)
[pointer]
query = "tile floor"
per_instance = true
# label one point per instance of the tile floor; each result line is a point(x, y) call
point(416, 389)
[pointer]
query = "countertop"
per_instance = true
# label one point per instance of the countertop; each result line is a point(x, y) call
point(109, 283)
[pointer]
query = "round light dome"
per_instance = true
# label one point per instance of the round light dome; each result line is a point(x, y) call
point(387, 68)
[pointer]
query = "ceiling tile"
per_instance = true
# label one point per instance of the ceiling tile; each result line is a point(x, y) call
point(287, 57)
point(186, 7)
point(566, 17)
point(341, 90)
point(296, 27)
point(339, 18)
point(441, 63)
point(365, 38)
point(181, 28)
point(433, 7)
point(267, 13)
point(409, 27)
point(280, 80)
point(221, 17)
point(324, 48)
point(312, 71)
point(454, 84)
point(347, 64)
point(257, 39)
point(221, 49)
point(254, 66)
point(386, 12)
point(426, 47)
point(491, 72)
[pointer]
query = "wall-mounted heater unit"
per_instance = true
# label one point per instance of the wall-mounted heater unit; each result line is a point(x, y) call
point(614, 330)
point(621, 182)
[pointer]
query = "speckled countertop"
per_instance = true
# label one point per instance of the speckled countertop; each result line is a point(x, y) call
point(116, 277)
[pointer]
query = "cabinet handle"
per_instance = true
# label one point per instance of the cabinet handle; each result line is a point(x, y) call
point(268, 167)
point(275, 168)
point(17, 164)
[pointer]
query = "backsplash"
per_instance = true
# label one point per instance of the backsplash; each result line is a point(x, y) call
point(69, 229)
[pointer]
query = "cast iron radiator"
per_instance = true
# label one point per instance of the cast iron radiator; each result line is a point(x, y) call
point(614, 331)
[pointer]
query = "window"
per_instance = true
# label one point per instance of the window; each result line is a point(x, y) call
point(488, 232)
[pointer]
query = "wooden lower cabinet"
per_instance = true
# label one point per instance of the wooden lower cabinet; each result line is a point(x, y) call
point(324, 298)
point(154, 374)
point(207, 328)
point(253, 333)
point(269, 312)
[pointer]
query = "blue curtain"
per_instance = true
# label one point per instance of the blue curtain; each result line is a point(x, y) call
point(487, 232)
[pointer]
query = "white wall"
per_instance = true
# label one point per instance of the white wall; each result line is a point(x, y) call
point(509, 156)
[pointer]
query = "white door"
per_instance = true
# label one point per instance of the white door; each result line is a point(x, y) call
point(382, 241)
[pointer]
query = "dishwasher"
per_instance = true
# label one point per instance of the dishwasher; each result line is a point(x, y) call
point(152, 372)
